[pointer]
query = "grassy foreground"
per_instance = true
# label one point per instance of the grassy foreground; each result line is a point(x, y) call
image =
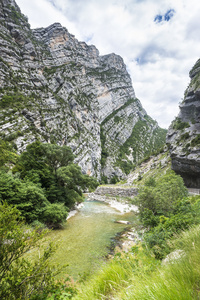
point(138, 275)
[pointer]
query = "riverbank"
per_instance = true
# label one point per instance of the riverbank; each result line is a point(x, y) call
point(74, 211)
point(119, 204)
point(119, 198)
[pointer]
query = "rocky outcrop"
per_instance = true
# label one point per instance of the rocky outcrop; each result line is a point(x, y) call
point(183, 136)
point(58, 89)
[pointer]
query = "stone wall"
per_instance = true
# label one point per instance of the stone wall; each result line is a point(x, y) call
point(116, 191)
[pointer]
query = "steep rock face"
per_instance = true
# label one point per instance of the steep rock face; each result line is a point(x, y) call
point(60, 90)
point(183, 136)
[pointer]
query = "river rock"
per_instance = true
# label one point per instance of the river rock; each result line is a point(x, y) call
point(123, 222)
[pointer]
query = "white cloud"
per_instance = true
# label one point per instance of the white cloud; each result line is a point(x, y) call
point(158, 55)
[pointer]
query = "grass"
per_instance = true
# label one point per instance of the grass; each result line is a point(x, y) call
point(178, 280)
point(139, 276)
point(116, 275)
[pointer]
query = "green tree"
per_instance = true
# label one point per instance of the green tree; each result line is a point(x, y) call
point(21, 278)
point(7, 153)
point(73, 182)
point(30, 200)
point(57, 156)
point(161, 197)
point(26, 196)
point(54, 215)
point(52, 167)
point(165, 210)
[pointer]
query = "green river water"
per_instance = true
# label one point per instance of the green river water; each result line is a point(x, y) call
point(86, 238)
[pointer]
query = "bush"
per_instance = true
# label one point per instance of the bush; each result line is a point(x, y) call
point(165, 210)
point(21, 278)
point(26, 196)
point(179, 125)
point(162, 196)
point(196, 141)
point(55, 215)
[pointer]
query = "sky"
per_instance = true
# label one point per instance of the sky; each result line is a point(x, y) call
point(159, 41)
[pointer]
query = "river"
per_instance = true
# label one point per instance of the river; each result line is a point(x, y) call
point(86, 239)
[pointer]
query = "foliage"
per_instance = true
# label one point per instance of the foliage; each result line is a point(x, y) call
point(62, 290)
point(196, 141)
point(138, 275)
point(13, 100)
point(44, 179)
point(57, 156)
point(150, 182)
point(104, 179)
point(161, 198)
point(26, 196)
point(7, 155)
point(19, 277)
point(52, 167)
point(54, 215)
point(141, 150)
point(125, 164)
point(179, 125)
point(114, 113)
point(178, 278)
point(114, 179)
point(104, 153)
point(117, 274)
point(184, 136)
point(165, 210)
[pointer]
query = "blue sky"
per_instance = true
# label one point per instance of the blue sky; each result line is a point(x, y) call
point(158, 40)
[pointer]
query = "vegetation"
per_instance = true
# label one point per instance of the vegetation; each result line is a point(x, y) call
point(138, 275)
point(140, 148)
point(179, 125)
point(104, 151)
point(196, 141)
point(40, 177)
point(44, 183)
point(195, 67)
point(13, 100)
point(167, 213)
point(21, 278)
point(8, 155)
point(179, 279)
point(165, 209)
point(140, 145)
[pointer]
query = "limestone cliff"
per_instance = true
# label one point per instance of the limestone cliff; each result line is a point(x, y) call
point(183, 136)
point(57, 89)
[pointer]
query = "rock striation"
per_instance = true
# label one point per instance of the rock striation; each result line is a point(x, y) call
point(183, 137)
point(60, 90)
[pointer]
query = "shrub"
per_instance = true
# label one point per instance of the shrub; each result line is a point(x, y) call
point(179, 125)
point(161, 198)
point(21, 278)
point(196, 141)
point(55, 215)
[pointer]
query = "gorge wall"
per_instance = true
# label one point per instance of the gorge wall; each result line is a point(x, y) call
point(59, 90)
point(183, 137)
